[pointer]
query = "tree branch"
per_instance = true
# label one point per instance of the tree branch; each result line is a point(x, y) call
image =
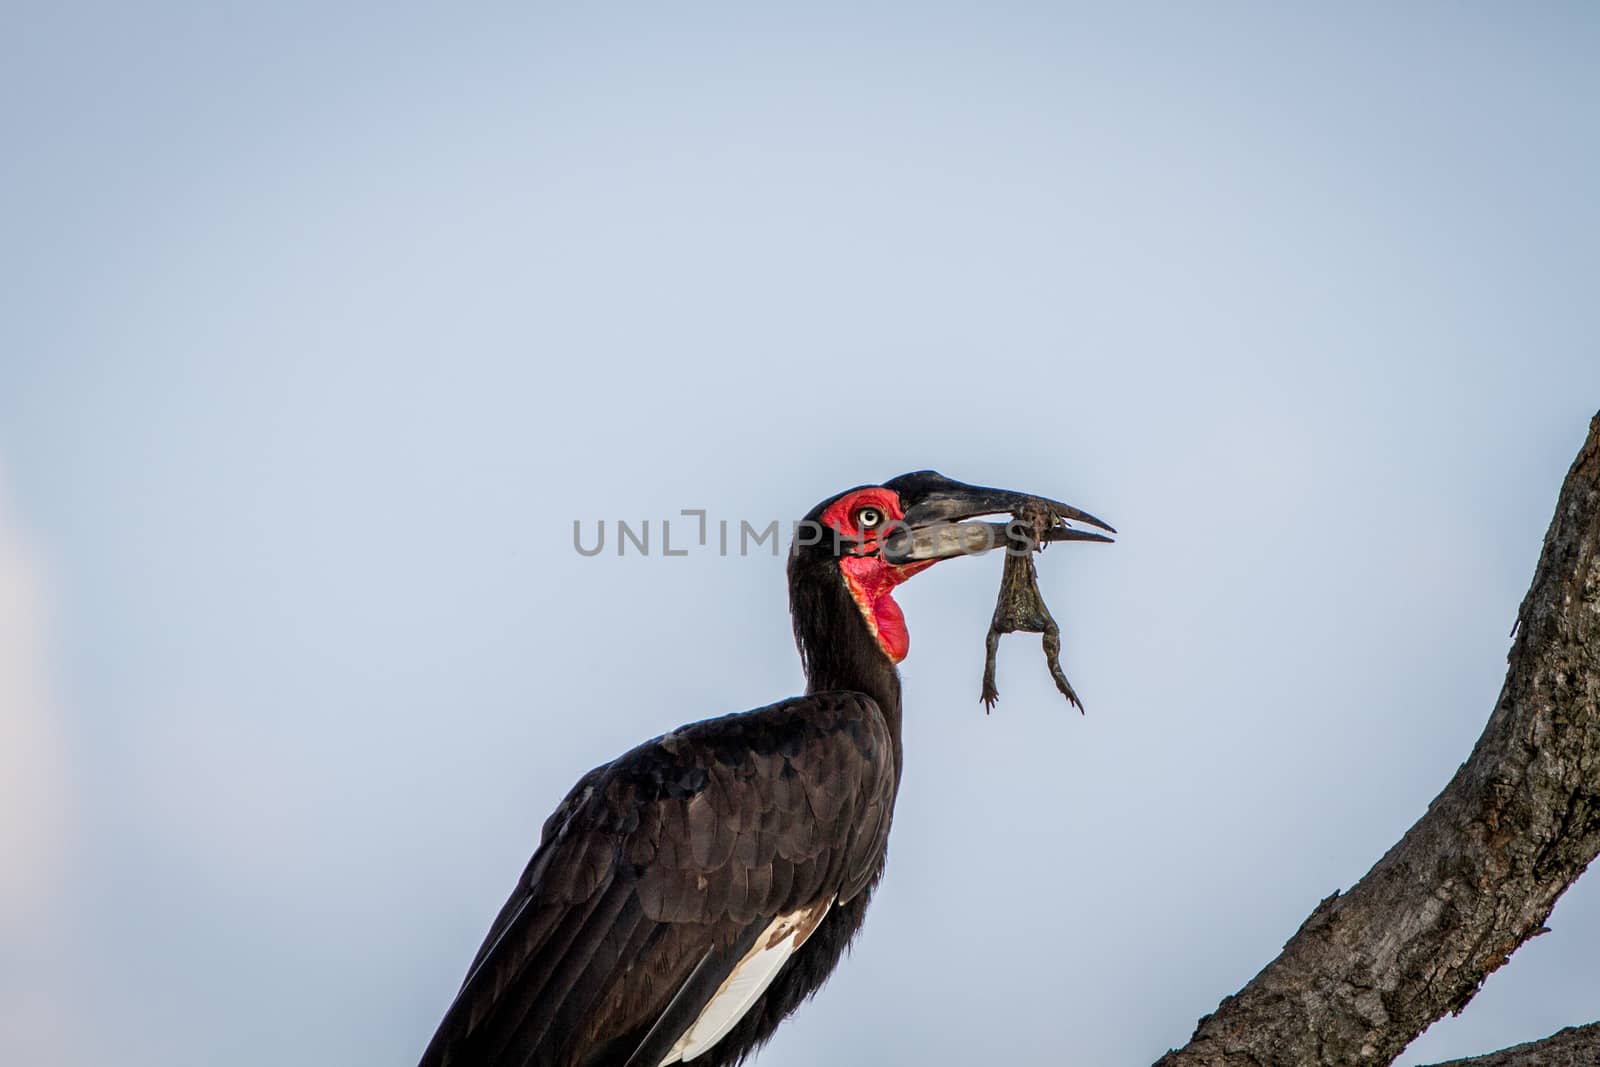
point(1576, 1046)
point(1479, 873)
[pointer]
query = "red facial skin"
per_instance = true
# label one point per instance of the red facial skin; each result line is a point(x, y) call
point(869, 579)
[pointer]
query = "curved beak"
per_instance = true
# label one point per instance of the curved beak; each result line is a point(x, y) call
point(934, 526)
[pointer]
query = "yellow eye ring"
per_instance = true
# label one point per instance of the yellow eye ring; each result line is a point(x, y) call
point(869, 518)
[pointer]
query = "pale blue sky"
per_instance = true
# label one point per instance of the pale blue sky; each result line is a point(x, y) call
point(318, 329)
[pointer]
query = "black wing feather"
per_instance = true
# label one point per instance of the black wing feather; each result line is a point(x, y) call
point(696, 991)
point(657, 867)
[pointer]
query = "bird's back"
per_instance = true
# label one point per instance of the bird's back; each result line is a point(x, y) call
point(662, 887)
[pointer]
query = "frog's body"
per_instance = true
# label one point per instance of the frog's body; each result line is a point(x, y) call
point(1021, 607)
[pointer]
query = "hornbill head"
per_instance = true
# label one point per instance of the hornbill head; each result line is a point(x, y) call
point(874, 537)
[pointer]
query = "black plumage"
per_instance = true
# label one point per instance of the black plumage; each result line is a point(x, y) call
point(661, 869)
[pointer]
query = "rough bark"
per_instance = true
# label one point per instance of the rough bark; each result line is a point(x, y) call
point(1576, 1046)
point(1478, 874)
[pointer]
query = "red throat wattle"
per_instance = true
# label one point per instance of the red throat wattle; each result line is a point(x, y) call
point(869, 578)
point(871, 581)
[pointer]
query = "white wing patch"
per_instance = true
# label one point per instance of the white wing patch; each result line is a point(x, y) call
point(748, 980)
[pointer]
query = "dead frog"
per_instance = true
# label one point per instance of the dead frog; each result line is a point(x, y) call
point(1021, 607)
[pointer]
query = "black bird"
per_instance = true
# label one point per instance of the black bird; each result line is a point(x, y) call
point(689, 895)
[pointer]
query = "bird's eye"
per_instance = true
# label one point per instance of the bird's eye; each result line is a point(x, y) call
point(868, 518)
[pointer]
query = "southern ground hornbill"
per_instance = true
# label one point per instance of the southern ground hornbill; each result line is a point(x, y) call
point(690, 894)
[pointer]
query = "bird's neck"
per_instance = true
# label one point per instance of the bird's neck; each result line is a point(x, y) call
point(837, 649)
